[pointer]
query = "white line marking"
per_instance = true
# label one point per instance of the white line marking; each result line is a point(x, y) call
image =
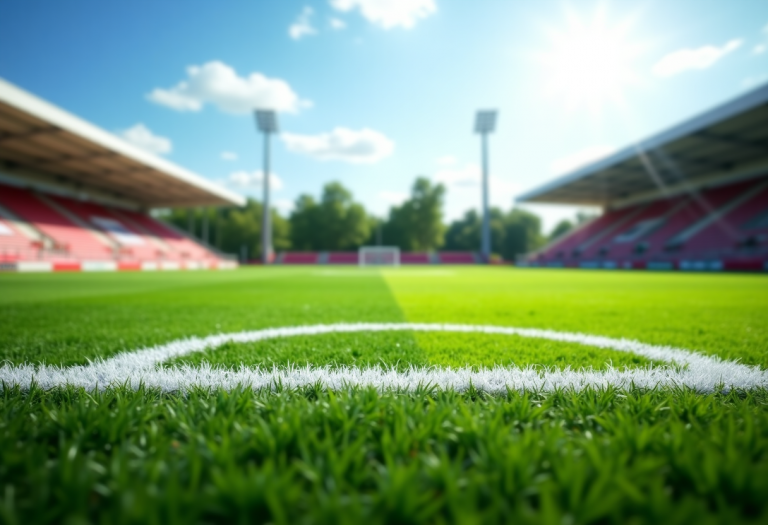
point(697, 371)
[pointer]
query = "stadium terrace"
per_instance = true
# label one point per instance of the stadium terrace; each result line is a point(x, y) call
point(75, 197)
point(694, 197)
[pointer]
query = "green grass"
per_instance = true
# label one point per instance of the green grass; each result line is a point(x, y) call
point(310, 456)
point(405, 349)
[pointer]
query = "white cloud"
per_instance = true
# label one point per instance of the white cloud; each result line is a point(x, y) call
point(303, 25)
point(446, 160)
point(389, 13)
point(365, 146)
point(337, 23)
point(219, 84)
point(699, 58)
point(580, 158)
point(244, 180)
point(229, 155)
point(141, 136)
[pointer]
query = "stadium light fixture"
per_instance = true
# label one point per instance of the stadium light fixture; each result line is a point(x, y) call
point(485, 122)
point(266, 122)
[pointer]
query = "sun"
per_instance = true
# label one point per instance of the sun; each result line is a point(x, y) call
point(590, 61)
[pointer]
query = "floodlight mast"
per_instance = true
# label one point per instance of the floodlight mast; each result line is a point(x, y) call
point(485, 122)
point(266, 121)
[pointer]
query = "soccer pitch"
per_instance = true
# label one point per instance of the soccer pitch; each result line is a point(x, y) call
point(410, 395)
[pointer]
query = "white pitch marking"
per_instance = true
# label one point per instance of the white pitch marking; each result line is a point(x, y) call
point(690, 369)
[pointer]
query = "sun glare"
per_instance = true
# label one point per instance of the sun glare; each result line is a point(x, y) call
point(589, 62)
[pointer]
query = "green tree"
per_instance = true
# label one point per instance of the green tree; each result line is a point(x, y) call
point(242, 227)
point(512, 234)
point(229, 229)
point(522, 233)
point(417, 224)
point(562, 228)
point(304, 223)
point(464, 234)
point(583, 216)
point(334, 223)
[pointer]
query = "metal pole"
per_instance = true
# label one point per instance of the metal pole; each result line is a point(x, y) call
point(217, 223)
point(486, 232)
point(266, 226)
point(205, 225)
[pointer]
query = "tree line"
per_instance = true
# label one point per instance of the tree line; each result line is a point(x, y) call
point(335, 222)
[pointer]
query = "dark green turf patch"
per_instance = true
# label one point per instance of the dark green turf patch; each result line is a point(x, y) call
point(397, 349)
point(83, 317)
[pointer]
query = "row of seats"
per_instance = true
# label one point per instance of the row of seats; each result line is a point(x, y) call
point(38, 226)
point(726, 221)
point(352, 258)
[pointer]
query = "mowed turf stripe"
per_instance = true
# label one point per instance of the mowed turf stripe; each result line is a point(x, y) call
point(697, 371)
point(71, 319)
point(717, 314)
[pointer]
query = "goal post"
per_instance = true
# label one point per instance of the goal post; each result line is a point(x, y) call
point(379, 256)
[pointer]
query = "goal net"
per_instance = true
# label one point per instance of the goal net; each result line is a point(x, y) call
point(379, 256)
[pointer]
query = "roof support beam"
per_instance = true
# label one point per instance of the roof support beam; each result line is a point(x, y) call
point(713, 179)
point(733, 139)
point(40, 161)
point(7, 137)
point(683, 160)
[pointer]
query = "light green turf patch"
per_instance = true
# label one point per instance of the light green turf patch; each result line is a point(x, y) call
point(722, 314)
point(487, 350)
point(405, 349)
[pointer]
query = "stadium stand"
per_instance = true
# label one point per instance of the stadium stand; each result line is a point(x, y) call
point(457, 258)
point(298, 258)
point(67, 237)
point(75, 197)
point(15, 245)
point(342, 258)
point(694, 197)
point(414, 258)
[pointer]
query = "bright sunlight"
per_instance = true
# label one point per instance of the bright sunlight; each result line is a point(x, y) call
point(589, 62)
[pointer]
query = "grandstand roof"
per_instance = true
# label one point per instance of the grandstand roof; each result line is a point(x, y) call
point(43, 143)
point(726, 143)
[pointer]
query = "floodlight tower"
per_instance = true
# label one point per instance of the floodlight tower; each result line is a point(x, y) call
point(266, 121)
point(485, 122)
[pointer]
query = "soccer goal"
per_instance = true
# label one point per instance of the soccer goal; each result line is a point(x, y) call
point(379, 256)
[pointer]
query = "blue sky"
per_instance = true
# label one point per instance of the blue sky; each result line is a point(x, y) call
point(375, 92)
